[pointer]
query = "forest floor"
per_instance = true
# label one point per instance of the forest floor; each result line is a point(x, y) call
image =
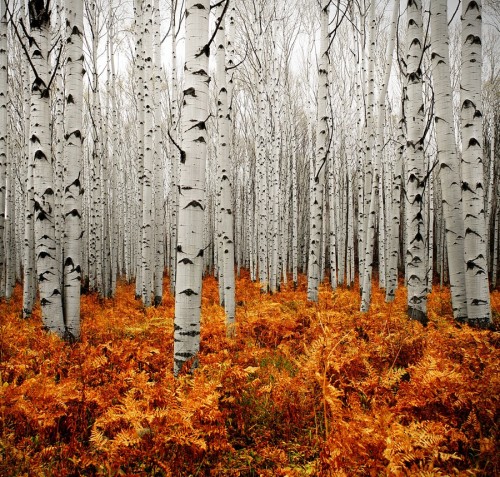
point(303, 390)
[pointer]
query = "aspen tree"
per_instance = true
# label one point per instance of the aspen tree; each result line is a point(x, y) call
point(141, 259)
point(48, 269)
point(476, 267)
point(190, 248)
point(449, 163)
point(3, 133)
point(225, 185)
point(73, 191)
point(415, 181)
point(159, 219)
point(371, 170)
point(318, 165)
point(174, 153)
point(29, 265)
point(147, 172)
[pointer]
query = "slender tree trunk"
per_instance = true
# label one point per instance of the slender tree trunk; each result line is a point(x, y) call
point(159, 221)
point(73, 167)
point(174, 154)
point(476, 269)
point(190, 248)
point(147, 175)
point(4, 100)
point(226, 188)
point(318, 169)
point(415, 182)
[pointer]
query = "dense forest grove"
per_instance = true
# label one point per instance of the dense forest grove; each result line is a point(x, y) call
point(249, 238)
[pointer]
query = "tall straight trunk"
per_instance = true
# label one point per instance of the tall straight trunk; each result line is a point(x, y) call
point(449, 163)
point(318, 167)
point(159, 220)
point(371, 166)
point(4, 93)
point(295, 209)
point(262, 176)
point(224, 180)
point(29, 265)
point(147, 175)
point(174, 153)
point(375, 153)
point(333, 225)
point(9, 235)
point(190, 248)
point(48, 268)
point(139, 78)
point(116, 186)
point(73, 167)
point(476, 267)
point(414, 177)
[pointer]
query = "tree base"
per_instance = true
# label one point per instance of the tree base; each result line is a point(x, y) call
point(157, 300)
point(418, 315)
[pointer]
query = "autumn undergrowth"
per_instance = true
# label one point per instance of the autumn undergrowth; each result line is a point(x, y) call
point(302, 390)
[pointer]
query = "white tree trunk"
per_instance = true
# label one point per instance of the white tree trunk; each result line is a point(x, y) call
point(225, 212)
point(147, 175)
point(190, 248)
point(48, 269)
point(476, 267)
point(415, 182)
point(449, 163)
point(4, 99)
point(73, 167)
point(159, 220)
point(318, 170)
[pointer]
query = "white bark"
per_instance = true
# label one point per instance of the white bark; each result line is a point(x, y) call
point(73, 167)
point(159, 220)
point(4, 93)
point(415, 182)
point(449, 163)
point(48, 269)
point(318, 170)
point(226, 221)
point(147, 175)
point(190, 248)
point(476, 267)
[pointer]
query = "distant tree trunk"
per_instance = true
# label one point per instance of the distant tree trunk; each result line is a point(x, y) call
point(476, 269)
point(48, 269)
point(319, 164)
point(190, 248)
point(449, 163)
point(415, 181)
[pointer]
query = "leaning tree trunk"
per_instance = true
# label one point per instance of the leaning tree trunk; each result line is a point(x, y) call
point(449, 163)
point(318, 165)
point(415, 182)
point(190, 246)
point(476, 269)
point(48, 268)
point(73, 151)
